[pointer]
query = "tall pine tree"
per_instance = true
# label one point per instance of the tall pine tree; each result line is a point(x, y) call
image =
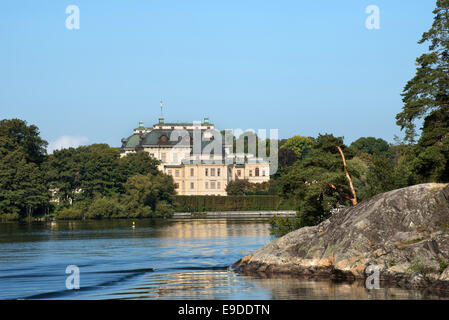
point(426, 96)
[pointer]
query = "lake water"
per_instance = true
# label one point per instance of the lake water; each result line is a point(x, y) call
point(164, 259)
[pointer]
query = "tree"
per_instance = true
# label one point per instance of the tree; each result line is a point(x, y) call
point(429, 161)
point(138, 163)
point(22, 188)
point(372, 146)
point(105, 207)
point(62, 171)
point(320, 181)
point(238, 187)
point(299, 145)
point(16, 135)
point(244, 187)
point(428, 90)
point(286, 157)
point(426, 96)
point(144, 192)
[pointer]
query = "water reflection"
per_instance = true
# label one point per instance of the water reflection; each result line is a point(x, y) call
point(225, 284)
point(160, 259)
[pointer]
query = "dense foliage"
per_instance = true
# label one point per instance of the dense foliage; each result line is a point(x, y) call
point(22, 185)
point(426, 97)
point(226, 203)
point(244, 187)
point(86, 182)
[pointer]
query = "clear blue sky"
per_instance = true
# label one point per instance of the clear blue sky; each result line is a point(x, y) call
point(303, 67)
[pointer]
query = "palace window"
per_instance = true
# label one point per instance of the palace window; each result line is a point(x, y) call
point(192, 172)
point(218, 172)
point(177, 173)
point(212, 184)
point(163, 156)
point(207, 185)
point(177, 185)
point(212, 172)
point(263, 173)
point(250, 173)
point(257, 172)
point(169, 172)
point(206, 172)
point(239, 173)
point(218, 185)
point(192, 185)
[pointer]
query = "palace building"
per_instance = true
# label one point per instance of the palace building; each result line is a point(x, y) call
point(196, 155)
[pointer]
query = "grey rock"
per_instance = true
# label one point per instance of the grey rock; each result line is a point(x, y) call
point(404, 232)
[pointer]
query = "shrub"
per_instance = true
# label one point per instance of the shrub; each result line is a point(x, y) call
point(163, 209)
point(443, 265)
point(71, 213)
point(419, 267)
point(104, 208)
point(392, 262)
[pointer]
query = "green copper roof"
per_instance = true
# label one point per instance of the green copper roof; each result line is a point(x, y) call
point(133, 141)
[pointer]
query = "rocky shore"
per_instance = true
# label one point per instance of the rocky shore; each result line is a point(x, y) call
point(404, 233)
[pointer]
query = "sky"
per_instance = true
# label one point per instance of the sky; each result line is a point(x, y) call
point(302, 67)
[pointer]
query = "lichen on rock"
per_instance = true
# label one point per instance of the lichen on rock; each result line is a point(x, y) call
point(404, 232)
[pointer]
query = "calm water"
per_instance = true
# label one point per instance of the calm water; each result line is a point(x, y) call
point(167, 259)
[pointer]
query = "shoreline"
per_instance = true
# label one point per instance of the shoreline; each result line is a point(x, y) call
point(401, 280)
point(180, 215)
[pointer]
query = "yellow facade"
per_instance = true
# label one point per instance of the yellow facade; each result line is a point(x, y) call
point(212, 179)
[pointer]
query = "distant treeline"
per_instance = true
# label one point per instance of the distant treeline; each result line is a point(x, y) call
point(77, 183)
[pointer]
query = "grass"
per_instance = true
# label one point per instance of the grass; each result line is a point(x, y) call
point(392, 262)
point(419, 267)
point(443, 265)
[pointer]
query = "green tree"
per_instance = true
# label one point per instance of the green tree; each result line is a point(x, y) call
point(62, 171)
point(143, 192)
point(299, 145)
point(16, 135)
point(238, 187)
point(318, 182)
point(23, 191)
point(372, 146)
point(286, 158)
point(426, 96)
point(99, 172)
point(137, 163)
point(105, 207)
